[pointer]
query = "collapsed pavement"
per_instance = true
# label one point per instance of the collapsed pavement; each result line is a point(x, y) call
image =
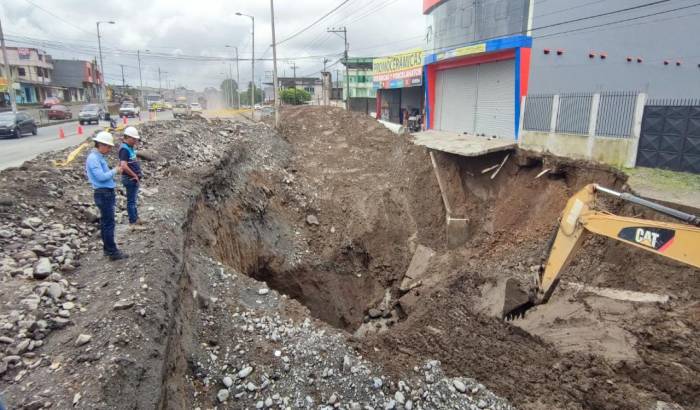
point(274, 275)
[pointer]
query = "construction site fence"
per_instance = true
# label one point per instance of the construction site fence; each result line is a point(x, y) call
point(604, 114)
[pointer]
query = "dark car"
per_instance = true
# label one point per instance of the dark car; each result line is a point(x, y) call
point(15, 125)
point(51, 101)
point(60, 112)
point(91, 113)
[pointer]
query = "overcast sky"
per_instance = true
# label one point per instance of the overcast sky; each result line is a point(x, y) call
point(203, 28)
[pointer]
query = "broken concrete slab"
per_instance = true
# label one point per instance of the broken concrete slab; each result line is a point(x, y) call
point(417, 268)
point(457, 232)
point(460, 144)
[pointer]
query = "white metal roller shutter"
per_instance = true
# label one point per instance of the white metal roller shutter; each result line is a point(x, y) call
point(495, 113)
point(456, 92)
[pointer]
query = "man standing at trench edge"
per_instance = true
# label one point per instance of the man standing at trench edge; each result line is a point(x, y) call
point(131, 175)
point(102, 179)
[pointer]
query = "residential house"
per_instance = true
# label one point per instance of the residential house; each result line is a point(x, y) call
point(79, 79)
point(32, 74)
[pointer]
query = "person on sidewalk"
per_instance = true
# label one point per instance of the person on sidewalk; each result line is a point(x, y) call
point(131, 175)
point(102, 179)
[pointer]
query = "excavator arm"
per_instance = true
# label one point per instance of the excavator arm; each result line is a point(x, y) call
point(680, 242)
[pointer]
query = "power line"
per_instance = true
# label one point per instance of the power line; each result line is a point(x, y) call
point(315, 22)
point(59, 17)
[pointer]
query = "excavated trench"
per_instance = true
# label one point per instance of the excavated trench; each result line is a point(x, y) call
point(372, 220)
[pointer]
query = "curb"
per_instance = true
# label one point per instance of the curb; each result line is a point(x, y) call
point(56, 123)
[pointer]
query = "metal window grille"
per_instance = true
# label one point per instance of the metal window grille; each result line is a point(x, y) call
point(538, 112)
point(673, 102)
point(616, 114)
point(574, 113)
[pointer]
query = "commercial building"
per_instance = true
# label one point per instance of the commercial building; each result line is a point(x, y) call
point(359, 88)
point(80, 80)
point(312, 85)
point(398, 80)
point(32, 73)
point(476, 70)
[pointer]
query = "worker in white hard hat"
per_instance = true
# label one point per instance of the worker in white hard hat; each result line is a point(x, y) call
point(131, 176)
point(101, 176)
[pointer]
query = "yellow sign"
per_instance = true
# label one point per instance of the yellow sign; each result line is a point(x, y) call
point(398, 62)
point(3, 84)
point(463, 51)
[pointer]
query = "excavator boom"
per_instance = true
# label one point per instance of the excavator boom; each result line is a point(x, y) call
point(679, 242)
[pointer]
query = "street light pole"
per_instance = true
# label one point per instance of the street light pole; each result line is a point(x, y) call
point(252, 60)
point(274, 65)
point(102, 67)
point(8, 69)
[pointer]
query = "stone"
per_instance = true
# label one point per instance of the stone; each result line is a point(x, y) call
point(54, 290)
point(420, 262)
point(333, 399)
point(399, 397)
point(32, 222)
point(83, 339)
point(6, 340)
point(245, 372)
point(4, 233)
point(123, 304)
point(377, 383)
point(259, 404)
point(408, 405)
point(228, 381)
point(68, 306)
point(263, 291)
point(268, 402)
point(222, 395)
point(461, 387)
point(43, 269)
point(390, 405)
point(312, 220)
point(374, 313)
point(251, 387)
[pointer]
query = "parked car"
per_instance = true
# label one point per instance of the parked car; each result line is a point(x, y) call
point(91, 113)
point(168, 105)
point(16, 125)
point(181, 110)
point(196, 109)
point(129, 109)
point(51, 101)
point(60, 112)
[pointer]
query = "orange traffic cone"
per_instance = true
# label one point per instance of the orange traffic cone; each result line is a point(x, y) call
point(125, 120)
point(61, 134)
point(80, 130)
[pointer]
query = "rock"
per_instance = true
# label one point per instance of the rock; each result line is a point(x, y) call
point(245, 372)
point(43, 269)
point(461, 387)
point(222, 395)
point(390, 405)
point(377, 383)
point(263, 291)
point(251, 387)
point(399, 397)
point(228, 381)
point(83, 339)
point(76, 398)
point(259, 404)
point(22, 346)
point(68, 306)
point(123, 304)
point(312, 220)
point(408, 405)
point(54, 290)
point(333, 399)
point(268, 402)
point(374, 313)
point(6, 340)
point(32, 222)
point(4, 233)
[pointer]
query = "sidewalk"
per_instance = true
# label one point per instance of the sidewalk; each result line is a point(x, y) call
point(667, 186)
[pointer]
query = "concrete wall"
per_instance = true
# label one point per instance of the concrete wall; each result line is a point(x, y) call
point(669, 36)
point(613, 151)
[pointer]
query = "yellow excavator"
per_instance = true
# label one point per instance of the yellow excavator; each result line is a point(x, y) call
point(680, 242)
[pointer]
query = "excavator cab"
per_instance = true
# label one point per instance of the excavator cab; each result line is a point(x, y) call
point(672, 240)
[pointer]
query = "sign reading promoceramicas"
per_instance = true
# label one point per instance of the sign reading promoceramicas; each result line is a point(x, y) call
point(398, 71)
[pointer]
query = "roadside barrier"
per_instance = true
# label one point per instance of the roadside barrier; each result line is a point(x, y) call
point(80, 130)
point(61, 134)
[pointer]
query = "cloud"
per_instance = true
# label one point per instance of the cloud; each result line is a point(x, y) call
point(204, 27)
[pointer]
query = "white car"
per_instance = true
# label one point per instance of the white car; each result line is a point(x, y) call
point(195, 108)
point(129, 109)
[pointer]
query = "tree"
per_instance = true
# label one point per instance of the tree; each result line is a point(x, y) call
point(229, 89)
point(245, 95)
point(295, 96)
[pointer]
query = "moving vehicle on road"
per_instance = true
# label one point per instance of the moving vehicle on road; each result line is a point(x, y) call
point(195, 109)
point(51, 101)
point(168, 105)
point(60, 112)
point(129, 109)
point(15, 125)
point(181, 110)
point(91, 113)
point(155, 102)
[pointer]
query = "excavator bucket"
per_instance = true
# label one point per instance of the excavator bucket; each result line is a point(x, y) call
point(516, 301)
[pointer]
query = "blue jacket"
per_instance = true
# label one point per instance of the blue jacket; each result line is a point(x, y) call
point(98, 172)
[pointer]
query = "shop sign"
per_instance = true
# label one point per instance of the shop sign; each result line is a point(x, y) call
point(3, 84)
point(24, 53)
point(429, 4)
point(462, 51)
point(400, 70)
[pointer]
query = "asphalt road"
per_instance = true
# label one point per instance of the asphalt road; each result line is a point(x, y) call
point(13, 152)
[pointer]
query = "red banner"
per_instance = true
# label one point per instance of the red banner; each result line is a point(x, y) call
point(429, 4)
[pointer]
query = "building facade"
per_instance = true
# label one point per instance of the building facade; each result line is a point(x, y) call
point(358, 88)
point(312, 85)
point(476, 68)
point(80, 80)
point(32, 71)
point(398, 80)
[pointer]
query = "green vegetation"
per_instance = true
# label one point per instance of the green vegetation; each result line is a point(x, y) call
point(294, 96)
point(676, 181)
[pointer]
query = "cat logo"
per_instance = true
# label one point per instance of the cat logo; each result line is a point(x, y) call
point(655, 238)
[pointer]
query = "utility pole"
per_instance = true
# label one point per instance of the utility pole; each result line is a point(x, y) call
point(138, 57)
point(274, 65)
point(294, 69)
point(252, 61)
point(159, 82)
point(238, 83)
point(344, 30)
point(8, 70)
point(102, 67)
point(123, 80)
point(324, 91)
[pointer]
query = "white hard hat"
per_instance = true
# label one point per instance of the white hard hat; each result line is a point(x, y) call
point(132, 132)
point(104, 137)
